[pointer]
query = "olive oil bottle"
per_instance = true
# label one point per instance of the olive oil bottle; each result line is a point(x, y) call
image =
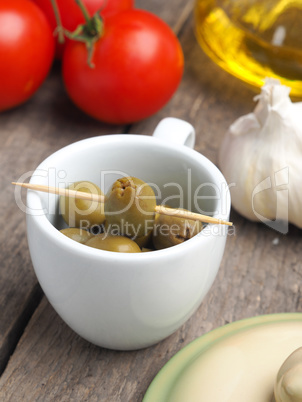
point(253, 39)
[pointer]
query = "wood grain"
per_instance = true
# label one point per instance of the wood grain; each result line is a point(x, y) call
point(52, 363)
point(261, 270)
point(28, 134)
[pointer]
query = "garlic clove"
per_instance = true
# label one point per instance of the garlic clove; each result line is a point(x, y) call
point(288, 385)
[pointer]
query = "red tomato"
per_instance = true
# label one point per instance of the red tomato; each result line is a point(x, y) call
point(26, 51)
point(138, 66)
point(71, 15)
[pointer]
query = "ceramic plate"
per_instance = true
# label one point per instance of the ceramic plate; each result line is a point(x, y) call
point(162, 388)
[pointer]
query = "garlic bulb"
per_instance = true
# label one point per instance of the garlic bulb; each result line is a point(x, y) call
point(261, 158)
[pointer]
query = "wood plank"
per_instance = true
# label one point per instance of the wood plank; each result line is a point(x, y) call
point(53, 363)
point(176, 19)
point(256, 276)
point(28, 134)
point(208, 98)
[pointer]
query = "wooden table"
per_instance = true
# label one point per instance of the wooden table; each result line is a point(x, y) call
point(41, 359)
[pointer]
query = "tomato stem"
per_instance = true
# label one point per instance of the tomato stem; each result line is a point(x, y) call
point(89, 33)
point(59, 29)
point(84, 10)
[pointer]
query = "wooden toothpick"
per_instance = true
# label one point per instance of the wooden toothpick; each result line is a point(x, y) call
point(101, 198)
point(179, 213)
point(63, 191)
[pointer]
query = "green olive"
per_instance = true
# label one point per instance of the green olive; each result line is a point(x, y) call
point(146, 250)
point(129, 207)
point(171, 230)
point(118, 244)
point(114, 230)
point(82, 213)
point(143, 241)
point(79, 235)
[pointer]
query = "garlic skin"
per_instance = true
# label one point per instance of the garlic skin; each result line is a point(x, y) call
point(288, 385)
point(261, 158)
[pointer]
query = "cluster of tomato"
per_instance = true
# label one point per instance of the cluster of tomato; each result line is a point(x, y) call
point(119, 68)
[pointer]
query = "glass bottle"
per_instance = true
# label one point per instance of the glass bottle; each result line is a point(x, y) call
point(253, 39)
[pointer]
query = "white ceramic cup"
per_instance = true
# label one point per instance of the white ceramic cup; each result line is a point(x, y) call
point(119, 300)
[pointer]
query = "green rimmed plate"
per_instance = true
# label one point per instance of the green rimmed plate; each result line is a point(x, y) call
point(174, 380)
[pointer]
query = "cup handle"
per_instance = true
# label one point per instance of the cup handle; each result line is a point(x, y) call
point(175, 131)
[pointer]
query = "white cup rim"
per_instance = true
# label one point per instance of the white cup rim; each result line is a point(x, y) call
point(45, 226)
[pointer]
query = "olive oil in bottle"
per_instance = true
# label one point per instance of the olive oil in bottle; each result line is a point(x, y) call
point(253, 39)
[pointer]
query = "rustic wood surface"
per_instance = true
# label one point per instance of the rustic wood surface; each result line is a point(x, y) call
point(41, 359)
